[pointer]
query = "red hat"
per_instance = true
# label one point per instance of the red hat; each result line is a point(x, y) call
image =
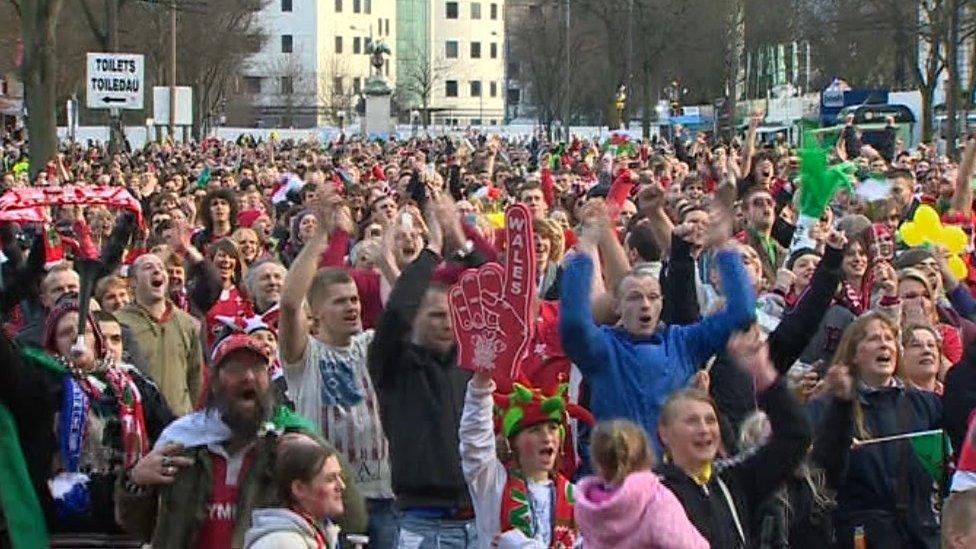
point(247, 218)
point(237, 343)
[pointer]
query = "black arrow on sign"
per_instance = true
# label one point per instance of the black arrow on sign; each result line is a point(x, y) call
point(114, 100)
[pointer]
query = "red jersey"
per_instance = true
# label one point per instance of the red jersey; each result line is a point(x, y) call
point(217, 529)
point(232, 306)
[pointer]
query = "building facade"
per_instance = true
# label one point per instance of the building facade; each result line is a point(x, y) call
point(313, 65)
point(451, 61)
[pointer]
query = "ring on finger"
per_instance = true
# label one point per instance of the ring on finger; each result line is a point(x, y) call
point(167, 461)
point(169, 471)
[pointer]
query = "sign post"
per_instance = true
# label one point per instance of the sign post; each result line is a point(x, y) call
point(115, 81)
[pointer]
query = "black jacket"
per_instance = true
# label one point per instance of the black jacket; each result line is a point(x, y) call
point(959, 398)
point(732, 388)
point(33, 396)
point(750, 478)
point(421, 396)
point(882, 487)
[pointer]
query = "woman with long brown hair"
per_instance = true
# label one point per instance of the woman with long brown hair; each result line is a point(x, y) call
point(883, 490)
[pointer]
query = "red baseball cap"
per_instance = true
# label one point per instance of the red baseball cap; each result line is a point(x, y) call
point(237, 343)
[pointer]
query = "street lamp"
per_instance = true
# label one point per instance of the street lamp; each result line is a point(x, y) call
point(414, 116)
point(341, 115)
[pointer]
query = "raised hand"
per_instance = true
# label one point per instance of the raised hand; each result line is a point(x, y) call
point(750, 353)
point(491, 308)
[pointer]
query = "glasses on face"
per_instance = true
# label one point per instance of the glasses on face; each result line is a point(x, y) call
point(240, 369)
point(761, 201)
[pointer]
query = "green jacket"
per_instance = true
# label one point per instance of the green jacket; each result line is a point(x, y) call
point(171, 516)
point(173, 350)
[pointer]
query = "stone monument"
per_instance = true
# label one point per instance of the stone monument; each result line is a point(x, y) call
point(379, 94)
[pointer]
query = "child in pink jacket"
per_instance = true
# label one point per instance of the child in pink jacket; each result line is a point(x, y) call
point(626, 506)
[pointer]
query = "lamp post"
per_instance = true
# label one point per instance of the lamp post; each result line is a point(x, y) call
point(414, 116)
point(341, 115)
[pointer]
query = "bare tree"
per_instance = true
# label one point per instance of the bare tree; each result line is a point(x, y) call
point(38, 21)
point(418, 76)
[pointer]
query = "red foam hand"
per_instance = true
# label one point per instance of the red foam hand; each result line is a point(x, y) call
point(619, 191)
point(491, 307)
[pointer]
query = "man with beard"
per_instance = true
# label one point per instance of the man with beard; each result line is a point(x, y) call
point(210, 469)
point(168, 336)
point(327, 374)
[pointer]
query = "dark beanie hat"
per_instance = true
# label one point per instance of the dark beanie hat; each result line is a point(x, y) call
point(912, 257)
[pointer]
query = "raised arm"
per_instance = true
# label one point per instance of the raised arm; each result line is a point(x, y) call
point(791, 336)
point(745, 163)
point(962, 198)
point(478, 459)
point(763, 472)
point(292, 329)
point(581, 338)
point(711, 334)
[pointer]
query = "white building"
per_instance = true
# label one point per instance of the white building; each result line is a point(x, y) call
point(313, 64)
point(452, 52)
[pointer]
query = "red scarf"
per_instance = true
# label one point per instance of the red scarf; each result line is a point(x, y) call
point(319, 534)
point(135, 440)
point(516, 511)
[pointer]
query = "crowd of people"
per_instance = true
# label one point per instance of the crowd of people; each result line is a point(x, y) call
point(275, 343)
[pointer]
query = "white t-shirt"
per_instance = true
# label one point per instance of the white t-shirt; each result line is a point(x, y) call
point(332, 388)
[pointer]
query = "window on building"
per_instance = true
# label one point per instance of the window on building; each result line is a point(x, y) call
point(338, 44)
point(286, 43)
point(379, 26)
point(287, 85)
point(475, 10)
point(357, 86)
point(337, 88)
point(475, 122)
point(451, 88)
point(493, 122)
point(368, 4)
point(451, 49)
point(357, 45)
point(493, 88)
point(494, 11)
point(285, 5)
point(338, 6)
point(475, 50)
point(386, 67)
point(367, 43)
point(452, 10)
point(252, 84)
point(387, 21)
point(476, 88)
point(494, 50)
point(357, 6)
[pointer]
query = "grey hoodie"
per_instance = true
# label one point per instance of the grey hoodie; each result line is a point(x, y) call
point(274, 522)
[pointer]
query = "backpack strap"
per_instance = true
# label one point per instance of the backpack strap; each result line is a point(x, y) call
point(731, 503)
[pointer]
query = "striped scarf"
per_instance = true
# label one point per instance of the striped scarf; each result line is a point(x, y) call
point(516, 511)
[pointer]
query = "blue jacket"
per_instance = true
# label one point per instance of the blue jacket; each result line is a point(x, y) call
point(631, 377)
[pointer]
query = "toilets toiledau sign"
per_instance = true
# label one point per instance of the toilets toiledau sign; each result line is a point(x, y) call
point(115, 81)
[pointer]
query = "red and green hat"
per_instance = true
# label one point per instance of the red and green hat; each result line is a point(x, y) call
point(525, 407)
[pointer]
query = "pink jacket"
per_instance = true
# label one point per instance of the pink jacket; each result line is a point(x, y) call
point(642, 513)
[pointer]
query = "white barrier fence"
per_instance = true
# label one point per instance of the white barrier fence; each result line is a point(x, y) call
point(137, 135)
